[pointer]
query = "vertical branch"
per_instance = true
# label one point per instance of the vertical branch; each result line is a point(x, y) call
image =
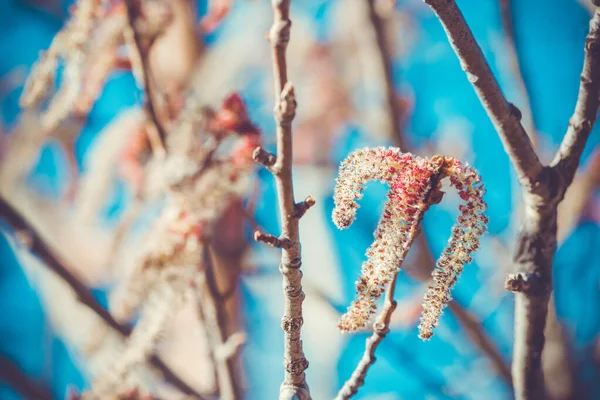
point(385, 54)
point(212, 303)
point(294, 384)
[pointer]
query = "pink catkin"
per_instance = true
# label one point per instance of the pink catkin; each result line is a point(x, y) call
point(464, 240)
point(410, 179)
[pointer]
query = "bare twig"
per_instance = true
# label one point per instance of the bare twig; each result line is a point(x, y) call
point(294, 384)
point(381, 328)
point(273, 241)
point(215, 319)
point(28, 237)
point(385, 66)
point(12, 376)
point(264, 157)
point(504, 115)
point(476, 333)
point(139, 60)
point(544, 187)
point(516, 69)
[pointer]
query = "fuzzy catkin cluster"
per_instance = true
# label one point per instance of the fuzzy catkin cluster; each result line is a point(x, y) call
point(411, 180)
point(70, 46)
point(464, 240)
point(199, 188)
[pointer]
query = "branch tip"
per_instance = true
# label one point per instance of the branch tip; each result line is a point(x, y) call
point(272, 241)
point(301, 208)
point(264, 157)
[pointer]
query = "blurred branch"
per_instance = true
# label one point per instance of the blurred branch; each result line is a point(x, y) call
point(27, 236)
point(470, 323)
point(558, 363)
point(516, 69)
point(212, 304)
point(544, 187)
point(141, 66)
point(294, 384)
point(569, 153)
point(475, 332)
point(386, 64)
point(16, 379)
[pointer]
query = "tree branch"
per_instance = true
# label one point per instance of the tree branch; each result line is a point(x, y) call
point(381, 328)
point(567, 158)
point(27, 236)
point(141, 66)
point(386, 63)
point(516, 69)
point(215, 318)
point(504, 116)
point(16, 379)
point(294, 384)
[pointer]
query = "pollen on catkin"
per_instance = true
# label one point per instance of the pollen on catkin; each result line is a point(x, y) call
point(411, 179)
point(464, 240)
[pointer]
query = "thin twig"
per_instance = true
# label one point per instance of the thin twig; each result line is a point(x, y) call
point(472, 327)
point(381, 328)
point(504, 116)
point(394, 112)
point(140, 62)
point(294, 383)
point(215, 318)
point(13, 377)
point(516, 68)
point(381, 325)
point(27, 235)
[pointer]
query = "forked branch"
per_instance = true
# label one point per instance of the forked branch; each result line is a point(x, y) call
point(544, 187)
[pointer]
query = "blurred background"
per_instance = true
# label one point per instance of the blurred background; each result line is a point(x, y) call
point(50, 343)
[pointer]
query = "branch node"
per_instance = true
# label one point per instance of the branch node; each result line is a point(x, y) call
point(514, 111)
point(528, 284)
point(279, 34)
point(301, 208)
point(264, 157)
point(273, 241)
point(286, 108)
